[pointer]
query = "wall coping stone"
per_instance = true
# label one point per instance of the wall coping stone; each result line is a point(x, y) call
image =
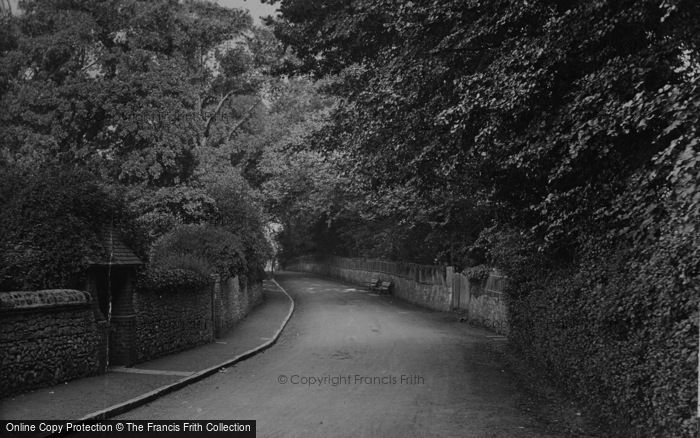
point(18, 300)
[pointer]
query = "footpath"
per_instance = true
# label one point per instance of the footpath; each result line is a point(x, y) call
point(122, 389)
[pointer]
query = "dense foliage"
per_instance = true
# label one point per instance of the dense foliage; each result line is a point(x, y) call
point(171, 280)
point(537, 111)
point(222, 252)
point(142, 95)
point(161, 210)
point(555, 139)
point(127, 88)
point(49, 221)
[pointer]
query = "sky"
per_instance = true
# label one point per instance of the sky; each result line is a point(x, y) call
point(255, 7)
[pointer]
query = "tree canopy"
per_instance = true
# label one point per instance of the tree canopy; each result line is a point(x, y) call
point(129, 88)
point(142, 95)
point(553, 117)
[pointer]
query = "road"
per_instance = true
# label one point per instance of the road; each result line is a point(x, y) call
point(383, 368)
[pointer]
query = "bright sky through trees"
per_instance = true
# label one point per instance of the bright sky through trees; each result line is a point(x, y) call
point(255, 7)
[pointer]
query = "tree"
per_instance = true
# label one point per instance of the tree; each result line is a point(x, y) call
point(129, 88)
point(50, 220)
point(512, 103)
point(139, 93)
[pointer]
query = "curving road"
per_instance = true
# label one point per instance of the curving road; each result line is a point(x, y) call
point(382, 368)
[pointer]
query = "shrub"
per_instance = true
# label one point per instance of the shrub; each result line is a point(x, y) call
point(477, 273)
point(215, 247)
point(618, 328)
point(176, 218)
point(49, 221)
point(187, 262)
point(240, 213)
point(165, 280)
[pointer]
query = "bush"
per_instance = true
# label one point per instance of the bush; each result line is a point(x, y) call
point(166, 280)
point(217, 227)
point(215, 249)
point(477, 273)
point(49, 221)
point(240, 213)
point(188, 262)
point(618, 328)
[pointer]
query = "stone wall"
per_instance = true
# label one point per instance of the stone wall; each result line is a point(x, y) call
point(52, 336)
point(484, 301)
point(233, 302)
point(434, 287)
point(49, 337)
point(170, 322)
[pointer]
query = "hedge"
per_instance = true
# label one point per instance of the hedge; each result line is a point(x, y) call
point(49, 220)
point(163, 280)
point(619, 330)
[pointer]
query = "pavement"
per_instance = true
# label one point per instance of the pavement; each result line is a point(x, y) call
point(121, 389)
point(351, 363)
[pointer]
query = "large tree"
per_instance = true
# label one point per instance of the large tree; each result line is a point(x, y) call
point(129, 88)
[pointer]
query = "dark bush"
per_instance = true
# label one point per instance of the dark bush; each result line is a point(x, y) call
point(619, 329)
point(240, 213)
point(48, 222)
point(219, 248)
point(477, 273)
point(164, 280)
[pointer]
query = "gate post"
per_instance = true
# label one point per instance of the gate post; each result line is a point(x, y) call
point(449, 280)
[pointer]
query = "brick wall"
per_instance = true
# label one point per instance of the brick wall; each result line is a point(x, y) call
point(49, 337)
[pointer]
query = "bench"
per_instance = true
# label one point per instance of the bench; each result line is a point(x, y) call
point(384, 287)
point(371, 284)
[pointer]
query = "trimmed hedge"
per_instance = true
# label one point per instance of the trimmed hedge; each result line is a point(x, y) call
point(619, 329)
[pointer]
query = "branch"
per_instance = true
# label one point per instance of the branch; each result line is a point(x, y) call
point(87, 67)
point(245, 118)
point(215, 113)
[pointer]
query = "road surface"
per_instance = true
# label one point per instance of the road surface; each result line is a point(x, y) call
point(351, 363)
